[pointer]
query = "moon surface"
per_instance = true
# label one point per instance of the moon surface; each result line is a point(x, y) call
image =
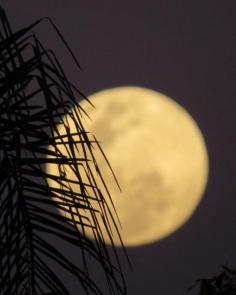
point(158, 155)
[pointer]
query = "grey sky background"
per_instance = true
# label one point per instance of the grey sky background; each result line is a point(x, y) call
point(185, 49)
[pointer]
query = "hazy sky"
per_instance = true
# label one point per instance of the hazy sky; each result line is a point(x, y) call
point(185, 49)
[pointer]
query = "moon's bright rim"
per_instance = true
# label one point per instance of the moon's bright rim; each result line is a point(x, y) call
point(159, 156)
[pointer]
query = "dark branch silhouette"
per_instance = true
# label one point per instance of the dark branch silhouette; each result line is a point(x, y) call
point(222, 284)
point(35, 94)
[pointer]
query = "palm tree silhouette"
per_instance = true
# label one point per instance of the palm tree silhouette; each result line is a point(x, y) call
point(30, 74)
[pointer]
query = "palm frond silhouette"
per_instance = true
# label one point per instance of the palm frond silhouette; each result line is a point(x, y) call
point(30, 74)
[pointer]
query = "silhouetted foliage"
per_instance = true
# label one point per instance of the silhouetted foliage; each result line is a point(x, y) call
point(35, 94)
point(222, 284)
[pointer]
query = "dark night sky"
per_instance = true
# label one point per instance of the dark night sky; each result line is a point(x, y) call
point(185, 49)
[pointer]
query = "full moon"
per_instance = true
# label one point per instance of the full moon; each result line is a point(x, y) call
point(158, 155)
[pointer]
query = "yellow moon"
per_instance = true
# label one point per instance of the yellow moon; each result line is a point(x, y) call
point(159, 156)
